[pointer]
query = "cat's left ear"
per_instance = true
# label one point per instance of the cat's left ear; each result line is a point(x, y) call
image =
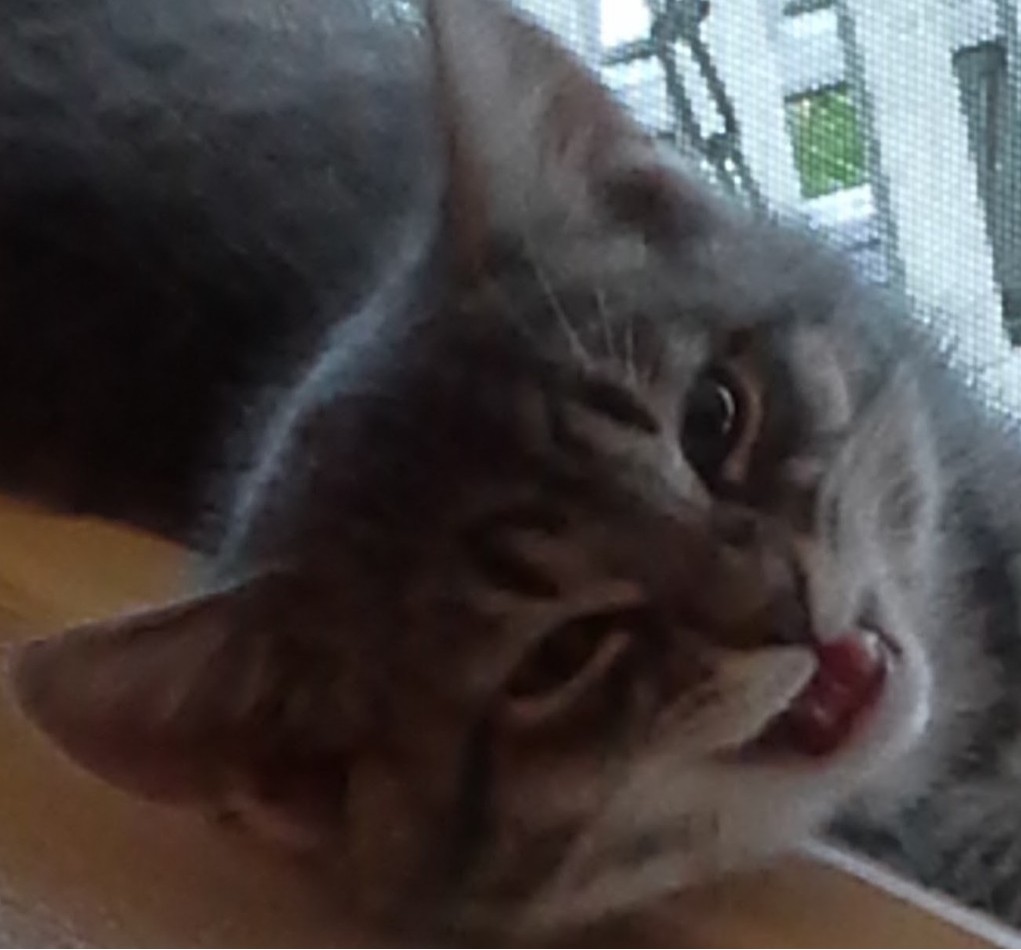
point(219, 700)
point(537, 145)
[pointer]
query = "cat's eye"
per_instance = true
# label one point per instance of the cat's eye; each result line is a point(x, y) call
point(557, 674)
point(713, 421)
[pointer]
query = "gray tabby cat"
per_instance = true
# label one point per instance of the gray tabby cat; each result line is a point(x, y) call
point(616, 539)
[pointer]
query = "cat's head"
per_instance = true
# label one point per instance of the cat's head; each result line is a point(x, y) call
point(588, 561)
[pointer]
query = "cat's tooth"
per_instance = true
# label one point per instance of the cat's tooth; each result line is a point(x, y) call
point(854, 659)
point(872, 644)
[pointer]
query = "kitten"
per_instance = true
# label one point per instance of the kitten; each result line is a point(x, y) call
point(614, 540)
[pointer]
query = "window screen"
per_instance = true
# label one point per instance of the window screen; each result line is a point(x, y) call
point(891, 127)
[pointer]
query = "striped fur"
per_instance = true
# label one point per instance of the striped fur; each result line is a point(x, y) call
point(546, 530)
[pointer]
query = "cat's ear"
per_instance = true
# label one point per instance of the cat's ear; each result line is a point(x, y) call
point(536, 142)
point(217, 700)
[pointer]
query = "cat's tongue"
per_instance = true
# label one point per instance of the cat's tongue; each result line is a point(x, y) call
point(846, 683)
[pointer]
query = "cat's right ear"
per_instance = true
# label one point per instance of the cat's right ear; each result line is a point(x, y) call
point(231, 698)
point(538, 148)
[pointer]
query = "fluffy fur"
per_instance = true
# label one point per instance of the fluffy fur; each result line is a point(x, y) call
point(496, 613)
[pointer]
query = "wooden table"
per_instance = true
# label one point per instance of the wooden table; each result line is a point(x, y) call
point(81, 864)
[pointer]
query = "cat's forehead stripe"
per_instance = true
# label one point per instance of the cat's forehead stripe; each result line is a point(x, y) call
point(614, 401)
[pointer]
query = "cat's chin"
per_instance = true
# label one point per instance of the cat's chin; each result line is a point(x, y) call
point(753, 801)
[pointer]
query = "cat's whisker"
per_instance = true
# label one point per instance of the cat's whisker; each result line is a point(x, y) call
point(563, 319)
point(629, 361)
point(604, 319)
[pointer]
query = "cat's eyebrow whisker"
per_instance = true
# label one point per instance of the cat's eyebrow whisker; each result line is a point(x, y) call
point(571, 334)
point(604, 319)
point(629, 360)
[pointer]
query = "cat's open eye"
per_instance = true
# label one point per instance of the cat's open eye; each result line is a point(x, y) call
point(558, 673)
point(714, 416)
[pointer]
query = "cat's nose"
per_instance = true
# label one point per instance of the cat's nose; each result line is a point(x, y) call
point(734, 575)
point(760, 597)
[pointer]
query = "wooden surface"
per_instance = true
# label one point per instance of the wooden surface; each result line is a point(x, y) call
point(81, 864)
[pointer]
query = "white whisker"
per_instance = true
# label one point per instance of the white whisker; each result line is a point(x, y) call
point(574, 341)
point(629, 356)
point(604, 319)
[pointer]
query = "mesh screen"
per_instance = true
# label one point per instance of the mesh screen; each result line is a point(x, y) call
point(892, 127)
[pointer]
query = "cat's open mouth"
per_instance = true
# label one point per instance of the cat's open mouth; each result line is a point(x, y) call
point(847, 684)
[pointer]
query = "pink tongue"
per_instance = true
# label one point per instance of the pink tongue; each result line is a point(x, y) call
point(848, 679)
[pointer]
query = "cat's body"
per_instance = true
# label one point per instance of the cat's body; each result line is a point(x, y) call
point(190, 195)
point(551, 493)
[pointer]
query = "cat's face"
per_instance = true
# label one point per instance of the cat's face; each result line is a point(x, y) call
point(687, 602)
point(596, 569)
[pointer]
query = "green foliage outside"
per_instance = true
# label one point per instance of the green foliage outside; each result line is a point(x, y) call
point(828, 147)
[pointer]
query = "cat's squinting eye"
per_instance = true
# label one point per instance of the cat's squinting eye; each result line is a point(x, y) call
point(557, 674)
point(713, 421)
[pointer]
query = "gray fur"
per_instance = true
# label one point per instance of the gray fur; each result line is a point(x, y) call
point(482, 631)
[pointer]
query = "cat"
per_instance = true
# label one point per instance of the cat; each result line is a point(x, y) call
point(585, 536)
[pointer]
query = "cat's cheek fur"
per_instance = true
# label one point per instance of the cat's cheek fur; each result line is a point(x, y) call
point(716, 815)
point(688, 811)
point(887, 495)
